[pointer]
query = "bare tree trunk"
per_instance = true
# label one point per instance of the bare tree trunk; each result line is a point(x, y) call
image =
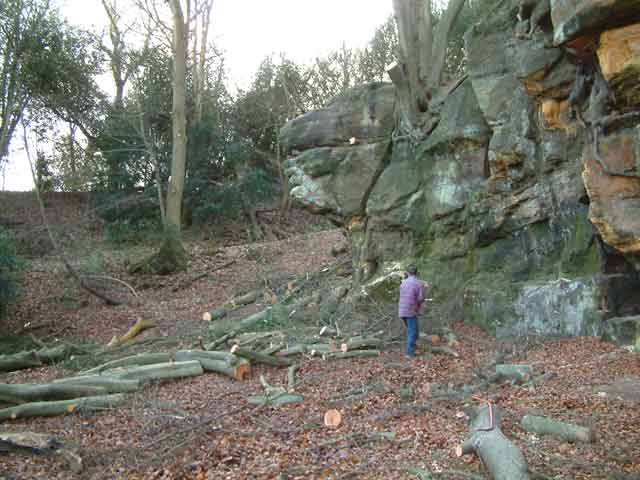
point(423, 48)
point(441, 39)
point(202, 61)
point(406, 13)
point(150, 146)
point(179, 156)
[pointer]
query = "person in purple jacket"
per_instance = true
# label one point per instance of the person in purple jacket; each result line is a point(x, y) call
point(412, 296)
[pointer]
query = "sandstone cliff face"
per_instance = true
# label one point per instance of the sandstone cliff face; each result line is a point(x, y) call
point(507, 206)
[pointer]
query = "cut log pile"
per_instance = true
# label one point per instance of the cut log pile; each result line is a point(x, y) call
point(244, 344)
point(106, 385)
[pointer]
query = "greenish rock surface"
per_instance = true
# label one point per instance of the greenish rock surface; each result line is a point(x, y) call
point(492, 205)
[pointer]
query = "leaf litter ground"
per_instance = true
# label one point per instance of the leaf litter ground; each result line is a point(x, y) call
point(203, 427)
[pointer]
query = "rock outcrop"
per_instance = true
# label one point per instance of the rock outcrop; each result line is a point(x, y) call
point(522, 213)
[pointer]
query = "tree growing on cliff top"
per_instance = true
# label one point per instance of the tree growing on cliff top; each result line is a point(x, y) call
point(423, 39)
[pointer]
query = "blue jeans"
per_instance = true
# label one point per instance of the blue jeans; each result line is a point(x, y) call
point(412, 334)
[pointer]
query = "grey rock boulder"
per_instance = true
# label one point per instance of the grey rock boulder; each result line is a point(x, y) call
point(363, 113)
point(574, 18)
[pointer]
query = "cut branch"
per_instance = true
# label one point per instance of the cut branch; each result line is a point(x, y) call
point(47, 409)
point(23, 393)
point(139, 327)
point(220, 362)
point(110, 384)
point(36, 358)
point(163, 371)
point(260, 357)
point(566, 431)
point(360, 343)
point(9, 363)
point(141, 359)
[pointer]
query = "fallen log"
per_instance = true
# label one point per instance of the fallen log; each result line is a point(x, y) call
point(215, 314)
point(37, 444)
point(220, 362)
point(312, 348)
point(22, 393)
point(227, 357)
point(261, 358)
point(244, 324)
point(47, 409)
point(162, 371)
point(566, 431)
point(361, 343)
point(110, 384)
point(19, 361)
point(500, 456)
point(351, 354)
point(316, 349)
point(141, 359)
point(36, 358)
point(139, 327)
point(253, 320)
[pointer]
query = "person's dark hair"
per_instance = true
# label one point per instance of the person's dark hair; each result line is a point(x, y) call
point(412, 269)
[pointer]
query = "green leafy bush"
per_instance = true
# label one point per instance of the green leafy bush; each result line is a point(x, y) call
point(206, 199)
point(10, 265)
point(130, 217)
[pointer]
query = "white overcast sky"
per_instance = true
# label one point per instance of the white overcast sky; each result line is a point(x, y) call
point(248, 31)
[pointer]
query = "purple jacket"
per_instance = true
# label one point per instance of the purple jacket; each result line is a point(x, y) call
point(412, 294)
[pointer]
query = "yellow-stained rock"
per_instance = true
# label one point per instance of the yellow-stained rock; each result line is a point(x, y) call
point(614, 200)
point(617, 47)
point(555, 115)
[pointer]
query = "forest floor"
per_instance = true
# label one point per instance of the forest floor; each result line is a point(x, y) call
point(393, 427)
